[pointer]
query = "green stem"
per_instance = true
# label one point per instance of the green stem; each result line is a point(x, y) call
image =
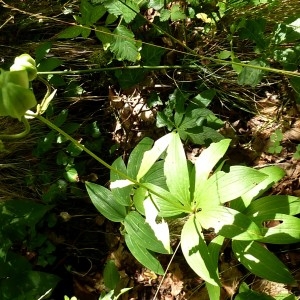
point(101, 161)
point(216, 60)
point(20, 135)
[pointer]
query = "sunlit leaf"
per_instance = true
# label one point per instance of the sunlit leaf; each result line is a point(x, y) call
point(261, 262)
point(176, 171)
point(196, 252)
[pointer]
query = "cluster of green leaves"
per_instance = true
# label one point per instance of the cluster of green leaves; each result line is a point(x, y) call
point(191, 117)
point(20, 221)
point(275, 140)
point(161, 185)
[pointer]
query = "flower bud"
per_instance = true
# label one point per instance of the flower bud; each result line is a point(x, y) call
point(25, 62)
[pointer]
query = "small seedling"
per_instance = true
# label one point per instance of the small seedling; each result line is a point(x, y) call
point(275, 140)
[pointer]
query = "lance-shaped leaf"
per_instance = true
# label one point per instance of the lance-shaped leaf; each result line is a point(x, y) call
point(136, 156)
point(229, 223)
point(161, 229)
point(142, 233)
point(206, 161)
point(144, 256)
point(273, 204)
point(105, 202)
point(261, 262)
point(197, 253)
point(151, 156)
point(120, 188)
point(279, 228)
point(176, 170)
point(274, 175)
point(222, 187)
point(168, 204)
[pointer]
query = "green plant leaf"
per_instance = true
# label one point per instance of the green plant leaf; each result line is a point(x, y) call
point(214, 247)
point(117, 8)
point(161, 230)
point(151, 156)
point(251, 76)
point(121, 194)
point(176, 171)
point(111, 275)
point(285, 231)
point(124, 45)
point(136, 156)
point(141, 232)
point(144, 256)
point(252, 295)
point(156, 175)
point(105, 203)
point(274, 175)
point(222, 187)
point(229, 223)
point(105, 36)
point(205, 163)
point(169, 205)
point(70, 32)
point(261, 262)
point(177, 13)
point(139, 196)
point(196, 252)
point(273, 204)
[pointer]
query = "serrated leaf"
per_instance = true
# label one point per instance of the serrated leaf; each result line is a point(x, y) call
point(144, 256)
point(229, 223)
point(176, 171)
point(104, 35)
point(70, 32)
point(105, 203)
point(161, 230)
point(222, 187)
point(261, 262)
point(117, 8)
point(141, 232)
point(196, 252)
point(205, 163)
point(123, 44)
point(151, 156)
point(157, 4)
point(177, 13)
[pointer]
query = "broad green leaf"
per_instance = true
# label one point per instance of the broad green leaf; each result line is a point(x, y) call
point(177, 13)
point(274, 175)
point(161, 230)
point(141, 232)
point(252, 76)
point(96, 13)
point(222, 187)
point(144, 256)
point(261, 262)
point(197, 253)
point(168, 204)
point(252, 295)
point(273, 204)
point(123, 44)
point(105, 203)
point(176, 171)
point(205, 163)
point(201, 135)
point(286, 232)
point(119, 192)
point(139, 196)
point(229, 223)
point(70, 32)
point(136, 156)
point(151, 156)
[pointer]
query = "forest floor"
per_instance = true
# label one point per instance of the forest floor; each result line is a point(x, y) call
point(85, 240)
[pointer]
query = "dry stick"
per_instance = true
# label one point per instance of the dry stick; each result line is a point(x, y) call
point(168, 266)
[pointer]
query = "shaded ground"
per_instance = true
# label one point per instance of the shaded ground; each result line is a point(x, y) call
point(83, 239)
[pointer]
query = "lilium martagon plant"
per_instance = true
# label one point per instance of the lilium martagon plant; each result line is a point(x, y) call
point(166, 187)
